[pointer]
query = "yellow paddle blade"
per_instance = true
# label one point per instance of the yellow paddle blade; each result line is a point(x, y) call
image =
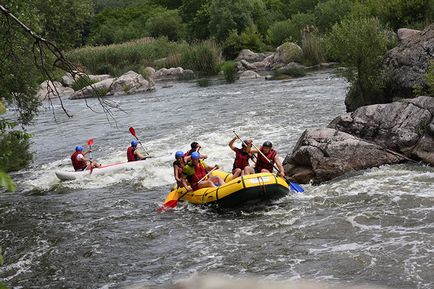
point(173, 195)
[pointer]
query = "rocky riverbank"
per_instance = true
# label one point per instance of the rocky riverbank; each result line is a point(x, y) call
point(377, 134)
point(370, 136)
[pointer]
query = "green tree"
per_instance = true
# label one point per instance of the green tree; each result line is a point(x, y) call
point(229, 15)
point(63, 21)
point(249, 39)
point(117, 25)
point(167, 23)
point(403, 13)
point(292, 7)
point(360, 44)
point(331, 12)
point(289, 30)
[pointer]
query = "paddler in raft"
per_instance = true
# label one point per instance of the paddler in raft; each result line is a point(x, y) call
point(262, 164)
point(79, 162)
point(195, 147)
point(178, 165)
point(195, 170)
point(133, 153)
point(242, 155)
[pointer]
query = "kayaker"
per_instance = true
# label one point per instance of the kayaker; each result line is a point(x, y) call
point(133, 153)
point(262, 164)
point(79, 162)
point(242, 155)
point(178, 166)
point(195, 170)
point(195, 147)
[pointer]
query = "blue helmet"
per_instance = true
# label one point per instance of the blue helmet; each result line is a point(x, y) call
point(179, 154)
point(195, 155)
point(78, 148)
point(133, 143)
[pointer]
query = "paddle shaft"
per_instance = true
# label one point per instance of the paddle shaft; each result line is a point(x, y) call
point(133, 132)
point(89, 143)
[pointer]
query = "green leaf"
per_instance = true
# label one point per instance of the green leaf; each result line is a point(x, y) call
point(1, 257)
point(2, 108)
point(6, 182)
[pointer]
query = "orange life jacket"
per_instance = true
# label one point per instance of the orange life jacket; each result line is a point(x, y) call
point(78, 165)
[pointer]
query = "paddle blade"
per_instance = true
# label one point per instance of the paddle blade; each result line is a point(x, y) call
point(296, 187)
point(170, 202)
point(167, 206)
point(132, 131)
point(91, 168)
point(90, 142)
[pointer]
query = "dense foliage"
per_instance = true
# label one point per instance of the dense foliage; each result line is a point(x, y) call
point(359, 44)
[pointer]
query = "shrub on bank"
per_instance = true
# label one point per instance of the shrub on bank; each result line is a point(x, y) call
point(203, 57)
point(311, 45)
point(229, 71)
point(360, 44)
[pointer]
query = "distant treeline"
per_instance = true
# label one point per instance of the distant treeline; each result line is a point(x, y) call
point(255, 24)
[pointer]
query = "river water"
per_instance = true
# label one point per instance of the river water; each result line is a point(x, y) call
point(375, 226)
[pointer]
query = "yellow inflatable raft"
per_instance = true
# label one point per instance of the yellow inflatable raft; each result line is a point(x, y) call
point(249, 189)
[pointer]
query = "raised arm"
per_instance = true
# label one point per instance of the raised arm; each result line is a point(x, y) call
point(231, 143)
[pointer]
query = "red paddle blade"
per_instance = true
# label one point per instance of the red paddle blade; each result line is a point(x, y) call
point(91, 168)
point(168, 205)
point(132, 131)
point(90, 142)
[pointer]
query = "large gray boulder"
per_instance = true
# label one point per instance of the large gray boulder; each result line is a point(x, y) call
point(68, 80)
point(324, 154)
point(173, 73)
point(130, 83)
point(402, 126)
point(99, 89)
point(49, 90)
point(407, 64)
point(249, 74)
point(250, 56)
point(286, 53)
point(370, 136)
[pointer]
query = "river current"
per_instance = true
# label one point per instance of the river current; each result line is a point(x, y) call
point(374, 226)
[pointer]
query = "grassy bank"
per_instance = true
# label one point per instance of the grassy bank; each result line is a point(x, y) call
point(116, 59)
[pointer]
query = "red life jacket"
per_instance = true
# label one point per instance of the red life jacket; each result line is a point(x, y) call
point(241, 159)
point(262, 163)
point(199, 173)
point(78, 165)
point(130, 154)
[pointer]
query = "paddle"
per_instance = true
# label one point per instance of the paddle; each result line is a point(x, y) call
point(89, 144)
point(133, 132)
point(293, 186)
point(172, 202)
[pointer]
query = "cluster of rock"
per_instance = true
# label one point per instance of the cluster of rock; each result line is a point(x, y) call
point(285, 61)
point(106, 85)
point(128, 83)
point(407, 64)
point(370, 136)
